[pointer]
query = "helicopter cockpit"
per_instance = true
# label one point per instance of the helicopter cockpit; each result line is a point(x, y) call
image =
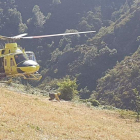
point(26, 60)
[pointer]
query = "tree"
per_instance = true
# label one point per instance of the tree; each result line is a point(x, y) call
point(22, 28)
point(14, 16)
point(91, 21)
point(13, 21)
point(68, 88)
point(39, 19)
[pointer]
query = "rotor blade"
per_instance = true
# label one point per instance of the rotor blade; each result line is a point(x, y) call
point(14, 37)
point(4, 37)
point(19, 36)
point(64, 34)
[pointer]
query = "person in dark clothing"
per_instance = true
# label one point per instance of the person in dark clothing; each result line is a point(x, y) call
point(53, 96)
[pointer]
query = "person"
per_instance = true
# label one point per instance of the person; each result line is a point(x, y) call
point(53, 96)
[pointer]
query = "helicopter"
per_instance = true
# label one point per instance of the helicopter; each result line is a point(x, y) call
point(16, 62)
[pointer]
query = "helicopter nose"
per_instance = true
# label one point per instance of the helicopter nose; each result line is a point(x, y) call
point(30, 63)
point(28, 66)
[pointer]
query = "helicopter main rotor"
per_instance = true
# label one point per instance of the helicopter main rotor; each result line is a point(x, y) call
point(22, 36)
point(12, 39)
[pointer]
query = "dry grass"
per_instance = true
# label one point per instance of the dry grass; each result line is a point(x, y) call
point(30, 117)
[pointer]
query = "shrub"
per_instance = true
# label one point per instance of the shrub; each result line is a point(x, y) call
point(94, 102)
point(68, 88)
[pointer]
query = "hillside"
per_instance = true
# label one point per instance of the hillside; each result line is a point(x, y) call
point(88, 58)
point(61, 56)
point(117, 86)
point(26, 116)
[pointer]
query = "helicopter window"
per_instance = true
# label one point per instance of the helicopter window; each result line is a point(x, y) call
point(31, 56)
point(5, 62)
point(20, 57)
point(3, 51)
point(12, 62)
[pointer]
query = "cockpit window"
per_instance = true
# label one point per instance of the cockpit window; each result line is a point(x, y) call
point(31, 56)
point(20, 58)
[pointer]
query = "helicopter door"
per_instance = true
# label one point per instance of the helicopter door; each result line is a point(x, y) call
point(6, 67)
point(9, 65)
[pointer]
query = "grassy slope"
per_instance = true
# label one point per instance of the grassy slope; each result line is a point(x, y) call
point(34, 117)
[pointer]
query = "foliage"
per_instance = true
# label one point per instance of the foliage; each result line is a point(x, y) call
point(68, 42)
point(14, 16)
point(22, 28)
point(91, 21)
point(120, 86)
point(38, 19)
point(55, 55)
point(123, 9)
point(94, 102)
point(68, 88)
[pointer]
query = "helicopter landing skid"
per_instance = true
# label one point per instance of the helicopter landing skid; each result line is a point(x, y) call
point(30, 76)
point(5, 80)
point(35, 76)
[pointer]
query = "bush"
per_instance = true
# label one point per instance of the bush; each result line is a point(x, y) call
point(68, 88)
point(94, 102)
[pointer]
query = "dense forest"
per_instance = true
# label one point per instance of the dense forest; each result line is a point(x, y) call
point(105, 64)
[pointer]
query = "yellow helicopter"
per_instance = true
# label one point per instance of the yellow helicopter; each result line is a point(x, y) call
point(16, 62)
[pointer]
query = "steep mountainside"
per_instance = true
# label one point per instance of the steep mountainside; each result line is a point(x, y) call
point(120, 86)
point(86, 57)
point(109, 45)
point(25, 116)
